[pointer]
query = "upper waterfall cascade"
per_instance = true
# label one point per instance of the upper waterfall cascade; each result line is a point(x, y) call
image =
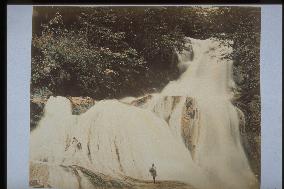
point(190, 130)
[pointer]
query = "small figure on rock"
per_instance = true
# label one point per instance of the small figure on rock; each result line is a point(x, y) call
point(79, 146)
point(153, 172)
point(74, 140)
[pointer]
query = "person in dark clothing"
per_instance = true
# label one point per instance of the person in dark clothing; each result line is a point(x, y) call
point(153, 172)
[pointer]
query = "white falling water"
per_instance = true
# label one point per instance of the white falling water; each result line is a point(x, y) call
point(208, 79)
point(117, 139)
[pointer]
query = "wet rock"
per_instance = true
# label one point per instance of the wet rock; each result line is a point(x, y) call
point(81, 104)
point(189, 124)
point(141, 101)
point(83, 178)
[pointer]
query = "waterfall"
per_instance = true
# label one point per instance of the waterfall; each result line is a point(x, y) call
point(190, 131)
point(213, 135)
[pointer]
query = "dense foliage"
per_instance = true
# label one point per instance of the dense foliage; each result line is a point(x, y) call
point(106, 53)
point(120, 51)
point(112, 52)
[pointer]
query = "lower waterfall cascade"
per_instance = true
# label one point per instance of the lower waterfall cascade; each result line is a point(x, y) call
point(190, 131)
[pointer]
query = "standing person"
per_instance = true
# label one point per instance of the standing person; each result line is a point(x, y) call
point(153, 172)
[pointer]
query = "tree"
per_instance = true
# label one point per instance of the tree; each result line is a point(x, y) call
point(106, 53)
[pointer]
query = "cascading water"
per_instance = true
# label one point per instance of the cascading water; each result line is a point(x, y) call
point(190, 131)
point(215, 134)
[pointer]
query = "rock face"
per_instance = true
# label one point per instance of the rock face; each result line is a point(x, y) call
point(71, 177)
point(36, 108)
point(41, 176)
point(189, 124)
point(81, 104)
point(141, 101)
